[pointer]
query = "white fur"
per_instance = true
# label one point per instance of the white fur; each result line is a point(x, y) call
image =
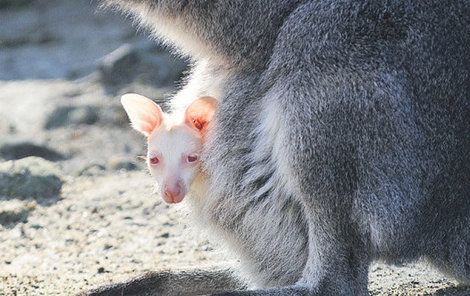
point(172, 142)
point(206, 79)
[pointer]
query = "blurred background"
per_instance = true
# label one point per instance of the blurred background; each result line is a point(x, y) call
point(63, 67)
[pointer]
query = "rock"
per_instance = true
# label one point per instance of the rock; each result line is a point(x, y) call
point(143, 63)
point(36, 38)
point(83, 115)
point(117, 67)
point(122, 163)
point(113, 115)
point(72, 116)
point(12, 151)
point(8, 4)
point(165, 235)
point(14, 211)
point(92, 169)
point(30, 177)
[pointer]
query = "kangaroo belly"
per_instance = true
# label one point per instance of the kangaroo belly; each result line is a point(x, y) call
point(268, 236)
point(272, 243)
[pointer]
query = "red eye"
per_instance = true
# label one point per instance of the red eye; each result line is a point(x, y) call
point(154, 160)
point(192, 158)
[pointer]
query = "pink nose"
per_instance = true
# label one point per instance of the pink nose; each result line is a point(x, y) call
point(173, 193)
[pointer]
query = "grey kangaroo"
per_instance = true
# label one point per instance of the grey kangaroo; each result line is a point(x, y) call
point(341, 137)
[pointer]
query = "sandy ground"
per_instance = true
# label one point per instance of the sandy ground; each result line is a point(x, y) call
point(106, 225)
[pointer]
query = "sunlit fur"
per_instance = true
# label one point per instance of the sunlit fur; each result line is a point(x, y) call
point(341, 137)
point(172, 142)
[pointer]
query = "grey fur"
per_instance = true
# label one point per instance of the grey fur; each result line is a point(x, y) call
point(342, 135)
point(195, 281)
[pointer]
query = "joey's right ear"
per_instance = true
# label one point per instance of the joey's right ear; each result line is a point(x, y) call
point(144, 114)
point(200, 113)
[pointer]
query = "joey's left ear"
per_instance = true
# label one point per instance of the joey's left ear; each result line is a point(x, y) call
point(200, 113)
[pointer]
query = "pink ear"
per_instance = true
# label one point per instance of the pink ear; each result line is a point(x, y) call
point(143, 113)
point(200, 113)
